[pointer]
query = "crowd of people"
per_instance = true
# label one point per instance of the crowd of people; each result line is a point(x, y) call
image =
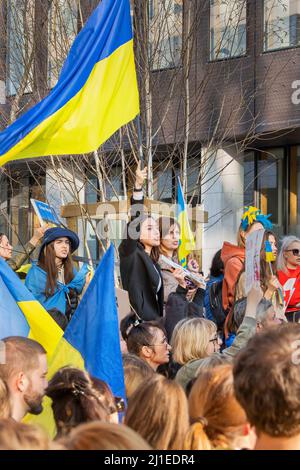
point(206, 365)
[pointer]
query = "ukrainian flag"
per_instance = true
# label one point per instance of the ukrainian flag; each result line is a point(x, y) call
point(95, 95)
point(187, 242)
point(91, 340)
point(22, 315)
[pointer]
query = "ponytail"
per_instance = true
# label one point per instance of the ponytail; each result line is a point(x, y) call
point(196, 438)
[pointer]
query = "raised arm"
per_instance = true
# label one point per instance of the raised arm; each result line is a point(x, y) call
point(131, 237)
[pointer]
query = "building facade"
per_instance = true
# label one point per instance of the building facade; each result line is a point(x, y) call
point(223, 78)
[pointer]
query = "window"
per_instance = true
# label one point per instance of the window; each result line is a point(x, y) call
point(227, 29)
point(282, 24)
point(163, 183)
point(113, 185)
point(20, 54)
point(165, 33)
point(294, 190)
point(193, 180)
point(62, 32)
point(269, 183)
point(3, 204)
point(249, 179)
point(263, 183)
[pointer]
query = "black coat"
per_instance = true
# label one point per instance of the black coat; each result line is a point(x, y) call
point(140, 278)
point(178, 308)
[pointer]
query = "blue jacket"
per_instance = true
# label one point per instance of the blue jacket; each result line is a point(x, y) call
point(212, 280)
point(36, 283)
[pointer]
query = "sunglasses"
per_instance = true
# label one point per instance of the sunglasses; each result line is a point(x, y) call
point(295, 252)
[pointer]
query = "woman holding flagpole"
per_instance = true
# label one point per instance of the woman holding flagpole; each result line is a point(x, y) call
point(139, 253)
point(53, 280)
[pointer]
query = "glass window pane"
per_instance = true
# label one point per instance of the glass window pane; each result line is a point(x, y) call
point(269, 183)
point(165, 33)
point(20, 56)
point(62, 32)
point(193, 180)
point(282, 24)
point(296, 230)
point(3, 204)
point(113, 183)
point(163, 187)
point(227, 28)
point(249, 179)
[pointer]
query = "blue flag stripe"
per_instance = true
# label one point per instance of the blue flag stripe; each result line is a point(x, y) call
point(94, 329)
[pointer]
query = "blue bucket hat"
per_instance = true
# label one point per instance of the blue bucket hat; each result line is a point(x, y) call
point(58, 232)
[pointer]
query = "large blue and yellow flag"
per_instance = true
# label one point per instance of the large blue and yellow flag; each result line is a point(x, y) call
point(187, 242)
point(22, 315)
point(95, 95)
point(91, 340)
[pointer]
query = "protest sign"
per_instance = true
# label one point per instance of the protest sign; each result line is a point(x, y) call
point(45, 213)
point(123, 303)
point(253, 248)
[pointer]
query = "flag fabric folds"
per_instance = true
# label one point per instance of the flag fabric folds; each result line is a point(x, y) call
point(22, 315)
point(187, 242)
point(91, 340)
point(95, 95)
point(270, 257)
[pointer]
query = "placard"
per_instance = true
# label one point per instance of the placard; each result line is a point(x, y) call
point(253, 248)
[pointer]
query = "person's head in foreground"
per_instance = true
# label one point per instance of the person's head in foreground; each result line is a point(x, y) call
point(136, 371)
point(4, 401)
point(20, 436)
point(25, 374)
point(218, 421)
point(74, 400)
point(267, 385)
point(158, 411)
point(104, 436)
point(148, 340)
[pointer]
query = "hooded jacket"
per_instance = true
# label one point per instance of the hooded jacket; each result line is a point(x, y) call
point(233, 258)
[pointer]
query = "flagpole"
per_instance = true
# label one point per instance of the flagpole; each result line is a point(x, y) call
point(140, 140)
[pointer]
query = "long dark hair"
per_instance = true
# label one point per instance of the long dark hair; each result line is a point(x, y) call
point(47, 263)
point(154, 255)
point(217, 265)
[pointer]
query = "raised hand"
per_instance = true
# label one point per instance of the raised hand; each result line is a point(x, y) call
point(140, 176)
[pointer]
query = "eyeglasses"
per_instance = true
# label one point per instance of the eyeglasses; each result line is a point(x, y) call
point(295, 251)
point(214, 340)
point(164, 342)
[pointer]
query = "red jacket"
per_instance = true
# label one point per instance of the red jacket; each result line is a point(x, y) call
point(293, 299)
point(233, 258)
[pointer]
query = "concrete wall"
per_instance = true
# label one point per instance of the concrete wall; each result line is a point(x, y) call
point(222, 197)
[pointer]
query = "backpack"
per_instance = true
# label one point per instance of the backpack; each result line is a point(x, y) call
point(216, 304)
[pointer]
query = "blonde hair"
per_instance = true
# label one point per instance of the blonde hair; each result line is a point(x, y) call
point(20, 436)
point(158, 411)
point(4, 401)
point(285, 244)
point(216, 416)
point(136, 371)
point(190, 339)
point(104, 436)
